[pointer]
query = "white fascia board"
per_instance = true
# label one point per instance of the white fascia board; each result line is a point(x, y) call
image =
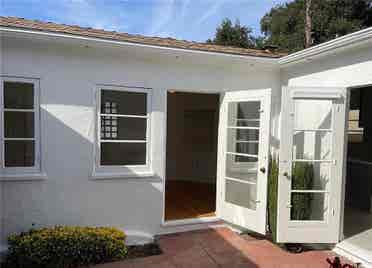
point(348, 40)
point(263, 60)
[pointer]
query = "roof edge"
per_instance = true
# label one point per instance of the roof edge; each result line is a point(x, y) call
point(332, 45)
point(269, 60)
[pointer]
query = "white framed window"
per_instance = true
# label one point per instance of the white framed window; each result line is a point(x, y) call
point(20, 127)
point(123, 132)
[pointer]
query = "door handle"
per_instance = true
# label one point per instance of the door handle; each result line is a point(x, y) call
point(285, 174)
point(263, 170)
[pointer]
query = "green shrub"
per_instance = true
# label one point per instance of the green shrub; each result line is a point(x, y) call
point(65, 247)
point(302, 179)
point(273, 195)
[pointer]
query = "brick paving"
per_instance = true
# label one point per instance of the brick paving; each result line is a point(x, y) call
point(221, 247)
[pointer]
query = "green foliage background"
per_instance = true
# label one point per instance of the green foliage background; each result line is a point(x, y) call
point(284, 25)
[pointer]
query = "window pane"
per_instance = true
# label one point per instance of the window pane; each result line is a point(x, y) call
point(310, 176)
point(241, 167)
point(19, 153)
point(125, 103)
point(19, 124)
point(244, 114)
point(18, 95)
point(241, 194)
point(313, 114)
point(308, 207)
point(312, 145)
point(115, 154)
point(122, 128)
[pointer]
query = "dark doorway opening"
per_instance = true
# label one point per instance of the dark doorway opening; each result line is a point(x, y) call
point(192, 133)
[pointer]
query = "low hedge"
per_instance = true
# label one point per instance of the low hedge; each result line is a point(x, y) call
point(62, 246)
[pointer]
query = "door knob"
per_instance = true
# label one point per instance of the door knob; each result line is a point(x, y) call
point(285, 174)
point(263, 170)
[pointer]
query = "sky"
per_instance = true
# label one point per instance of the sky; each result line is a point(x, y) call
point(194, 20)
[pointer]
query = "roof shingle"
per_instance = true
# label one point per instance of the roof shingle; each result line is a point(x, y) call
point(34, 25)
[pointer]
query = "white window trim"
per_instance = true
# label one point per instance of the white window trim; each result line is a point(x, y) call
point(21, 173)
point(125, 171)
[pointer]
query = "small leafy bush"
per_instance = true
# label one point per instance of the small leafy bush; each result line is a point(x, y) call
point(63, 246)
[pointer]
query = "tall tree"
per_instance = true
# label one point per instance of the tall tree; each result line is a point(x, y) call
point(308, 24)
point(237, 35)
point(288, 26)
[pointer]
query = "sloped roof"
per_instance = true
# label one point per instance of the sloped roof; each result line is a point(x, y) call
point(35, 25)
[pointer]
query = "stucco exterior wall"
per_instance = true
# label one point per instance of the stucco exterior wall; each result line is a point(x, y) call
point(68, 75)
point(347, 68)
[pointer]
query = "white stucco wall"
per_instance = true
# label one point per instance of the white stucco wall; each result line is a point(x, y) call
point(68, 75)
point(347, 68)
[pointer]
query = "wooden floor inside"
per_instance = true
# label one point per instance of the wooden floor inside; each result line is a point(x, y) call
point(187, 200)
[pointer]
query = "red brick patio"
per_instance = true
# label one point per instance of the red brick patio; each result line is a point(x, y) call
point(222, 248)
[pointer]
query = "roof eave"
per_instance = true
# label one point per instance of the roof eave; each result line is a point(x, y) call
point(334, 45)
point(258, 59)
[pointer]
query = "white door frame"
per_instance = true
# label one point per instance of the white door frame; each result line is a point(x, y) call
point(327, 231)
point(254, 220)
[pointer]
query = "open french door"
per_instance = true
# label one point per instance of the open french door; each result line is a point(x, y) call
point(244, 133)
point(311, 165)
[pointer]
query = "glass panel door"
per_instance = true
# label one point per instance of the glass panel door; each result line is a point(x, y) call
point(243, 158)
point(311, 161)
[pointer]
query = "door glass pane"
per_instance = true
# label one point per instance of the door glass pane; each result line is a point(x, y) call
point(312, 145)
point(241, 194)
point(310, 176)
point(242, 153)
point(244, 114)
point(123, 154)
point(18, 95)
point(241, 167)
point(19, 124)
point(123, 102)
point(123, 128)
point(19, 153)
point(308, 206)
point(313, 114)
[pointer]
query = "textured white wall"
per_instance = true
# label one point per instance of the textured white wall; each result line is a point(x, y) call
point(352, 67)
point(68, 75)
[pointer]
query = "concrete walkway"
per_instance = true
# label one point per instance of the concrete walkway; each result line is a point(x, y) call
point(222, 248)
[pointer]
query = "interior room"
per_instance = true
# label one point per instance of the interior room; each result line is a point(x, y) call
point(358, 194)
point(192, 133)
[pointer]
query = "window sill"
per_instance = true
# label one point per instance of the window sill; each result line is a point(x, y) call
point(23, 177)
point(119, 176)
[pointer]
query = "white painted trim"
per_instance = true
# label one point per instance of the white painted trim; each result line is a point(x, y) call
point(125, 171)
point(352, 39)
point(190, 221)
point(265, 60)
point(191, 227)
point(114, 175)
point(22, 173)
point(311, 93)
point(354, 254)
point(24, 177)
